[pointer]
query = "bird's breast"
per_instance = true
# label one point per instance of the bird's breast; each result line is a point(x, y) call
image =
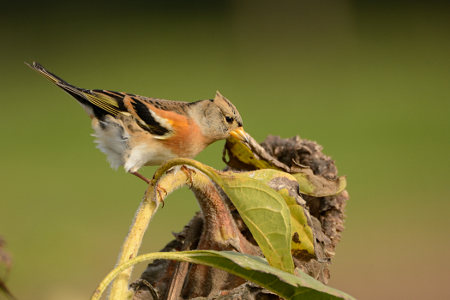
point(187, 139)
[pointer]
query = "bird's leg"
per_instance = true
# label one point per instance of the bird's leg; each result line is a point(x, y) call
point(159, 189)
point(141, 177)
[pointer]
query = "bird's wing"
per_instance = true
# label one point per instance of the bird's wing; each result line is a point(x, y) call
point(147, 116)
point(104, 102)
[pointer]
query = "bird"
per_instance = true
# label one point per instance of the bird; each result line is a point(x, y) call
point(135, 131)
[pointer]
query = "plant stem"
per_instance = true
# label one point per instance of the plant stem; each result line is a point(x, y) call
point(161, 181)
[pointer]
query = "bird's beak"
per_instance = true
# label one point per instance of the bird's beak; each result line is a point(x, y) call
point(240, 134)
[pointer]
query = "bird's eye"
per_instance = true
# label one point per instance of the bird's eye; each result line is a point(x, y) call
point(229, 119)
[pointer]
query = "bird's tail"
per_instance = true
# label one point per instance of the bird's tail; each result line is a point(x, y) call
point(98, 101)
point(71, 89)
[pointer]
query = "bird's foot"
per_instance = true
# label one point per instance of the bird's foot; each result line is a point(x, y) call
point(161, 190)
point(188, 173)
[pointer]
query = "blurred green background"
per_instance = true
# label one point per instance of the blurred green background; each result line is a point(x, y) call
point(367, 80)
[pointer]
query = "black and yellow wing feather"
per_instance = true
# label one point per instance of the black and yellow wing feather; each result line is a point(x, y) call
point(104, 102)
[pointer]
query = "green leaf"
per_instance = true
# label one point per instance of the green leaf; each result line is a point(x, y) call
point(264, 211)
point(241, 156)
point(318, 186)
point(255, 157)
point(252, 268)
point(302, 238)
point(302, 242)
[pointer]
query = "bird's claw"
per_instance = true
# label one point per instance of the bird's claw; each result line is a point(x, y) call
point(161, 190)
point(188, 173)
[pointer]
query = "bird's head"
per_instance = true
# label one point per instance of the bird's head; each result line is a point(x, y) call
point(218, 117)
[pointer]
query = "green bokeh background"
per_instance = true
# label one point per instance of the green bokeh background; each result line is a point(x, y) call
point(368, 81)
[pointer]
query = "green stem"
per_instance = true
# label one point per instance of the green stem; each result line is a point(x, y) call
point(209, 171)
point(188, 256)
point(146, 210)
point(132, 244)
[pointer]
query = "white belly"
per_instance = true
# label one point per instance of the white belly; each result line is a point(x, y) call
point(144, 154)
point(111, 139)
point(130, 151)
